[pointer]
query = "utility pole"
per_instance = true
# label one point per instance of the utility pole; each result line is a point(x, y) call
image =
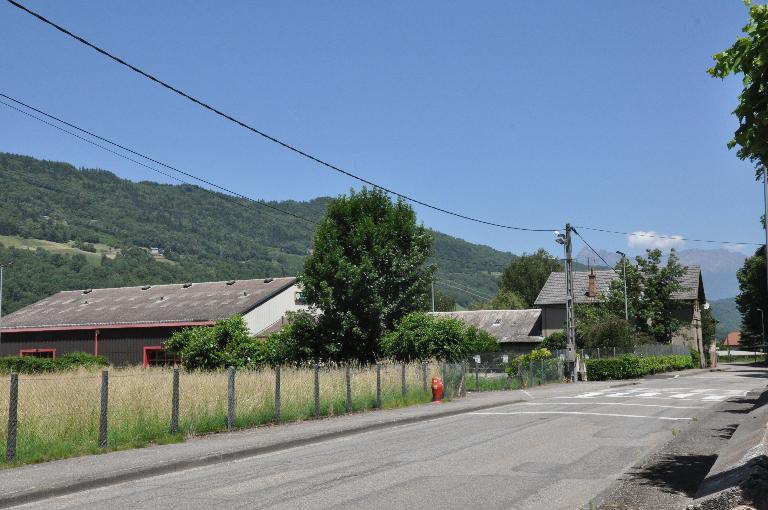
point(433, 295)
point(626, 306)
point(570, 318)
point(765, 224)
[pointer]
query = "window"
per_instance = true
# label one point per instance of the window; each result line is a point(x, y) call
point(299, 299)
point(156, 356)
point(38, 353)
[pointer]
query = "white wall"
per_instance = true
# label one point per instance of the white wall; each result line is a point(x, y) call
point(270, 312)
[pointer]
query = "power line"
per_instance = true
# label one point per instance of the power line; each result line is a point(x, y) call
point(659, 236)
point(593, 250)
point(463, 286)
point(136, 153)
point(259, 132)
point(472, 293)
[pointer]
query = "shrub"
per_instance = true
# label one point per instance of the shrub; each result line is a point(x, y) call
point(227, 343)
point(524, 359)
point(631, 366)
point(556, 341)
point(420, 336)
point(35, 365)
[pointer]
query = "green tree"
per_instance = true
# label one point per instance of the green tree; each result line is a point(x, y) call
point(420, 336)
point(366, 272)
point(503, 300)
point(526, 275)
point(650, 285)
point(752, 298)
point(749, 56)
point(227, 343)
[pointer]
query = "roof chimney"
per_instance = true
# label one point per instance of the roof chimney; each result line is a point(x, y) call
point(592, 286)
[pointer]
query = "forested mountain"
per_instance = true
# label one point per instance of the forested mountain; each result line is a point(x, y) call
point(98, 229)
point(727, 315)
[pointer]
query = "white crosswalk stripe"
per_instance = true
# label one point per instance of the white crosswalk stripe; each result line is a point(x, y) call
point(695, 394)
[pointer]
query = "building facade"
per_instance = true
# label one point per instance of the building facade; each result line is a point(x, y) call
point(128, 325)
point(516, 331)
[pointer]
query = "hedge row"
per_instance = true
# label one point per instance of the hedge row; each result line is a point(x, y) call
point(631, 366)
point(35, 365)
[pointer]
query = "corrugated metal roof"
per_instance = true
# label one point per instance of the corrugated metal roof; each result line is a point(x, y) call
point(173, 303)
point(507, 326)
point(553, 291)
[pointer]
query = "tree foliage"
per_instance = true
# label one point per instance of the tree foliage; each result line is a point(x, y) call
point(227, 343)
point(504, 300)
point(749, 56)
point(526, 275)
point(420, 336)
point(367, 271)
point(752, 298)
point(650, 285)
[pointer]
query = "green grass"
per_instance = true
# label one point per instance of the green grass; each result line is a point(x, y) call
point(60, 248)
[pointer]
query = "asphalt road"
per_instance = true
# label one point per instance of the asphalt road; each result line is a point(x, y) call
point(561, 449)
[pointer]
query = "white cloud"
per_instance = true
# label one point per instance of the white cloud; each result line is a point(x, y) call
point(647, 240)
point(739, 248)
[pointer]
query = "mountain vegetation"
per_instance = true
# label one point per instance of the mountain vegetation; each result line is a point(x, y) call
point(67, 228)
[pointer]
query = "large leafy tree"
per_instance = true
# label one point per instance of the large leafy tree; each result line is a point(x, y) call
point(527, 274)
point(650, 285)
point(749, 56)
point(752, 297)
point(366, 272)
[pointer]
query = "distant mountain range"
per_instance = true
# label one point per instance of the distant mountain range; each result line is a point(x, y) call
point(718, 267)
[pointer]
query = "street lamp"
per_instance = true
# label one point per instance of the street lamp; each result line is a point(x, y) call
point(626, 306)
point(762, 323)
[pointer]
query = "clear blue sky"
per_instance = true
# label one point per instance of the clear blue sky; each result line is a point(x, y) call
point(526, 113)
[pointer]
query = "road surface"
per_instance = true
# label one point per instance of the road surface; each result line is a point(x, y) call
point(561, 449)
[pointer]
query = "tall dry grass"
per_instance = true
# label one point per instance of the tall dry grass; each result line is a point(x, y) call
point(58, 414)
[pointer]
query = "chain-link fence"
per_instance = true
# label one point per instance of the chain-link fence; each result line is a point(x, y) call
point(49, 416)
point(494, 371)
point(639, 350)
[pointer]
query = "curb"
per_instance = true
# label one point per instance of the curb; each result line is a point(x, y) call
point(37, 494)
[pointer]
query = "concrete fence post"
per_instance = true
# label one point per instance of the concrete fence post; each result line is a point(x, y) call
point(103, 414)
point(598, 353)
point(277, 393)
point(614, 352)
point(13, 406)
point(378, 386)
point(175, 402)
point(424, 375)
point(317, 390)
point(541, 380)
point(348, 381)
point(463, 380)
point(403, 387)
point(230, 398)
point(477, 376)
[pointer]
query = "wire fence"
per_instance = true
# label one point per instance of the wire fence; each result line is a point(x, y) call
point(639, 350)
point(50, 416)
point(494, 371)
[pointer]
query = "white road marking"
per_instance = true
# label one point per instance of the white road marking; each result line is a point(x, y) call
point(714, 398)
point(681, 395)
point(529, 395)
point(610, 404)
point(649, 394)
point(582, 413)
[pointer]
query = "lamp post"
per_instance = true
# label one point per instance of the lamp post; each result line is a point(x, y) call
point(762, 323)
point(626, 306)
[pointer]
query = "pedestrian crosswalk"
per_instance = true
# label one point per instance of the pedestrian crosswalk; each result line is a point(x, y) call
point(684, 394)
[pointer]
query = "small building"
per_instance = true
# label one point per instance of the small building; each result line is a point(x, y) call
point(128, 325)
point(732, 339)
point(592, 286)
point(517, 331)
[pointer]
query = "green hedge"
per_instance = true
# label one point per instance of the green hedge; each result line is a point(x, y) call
point(35, 365)
point(631, 366)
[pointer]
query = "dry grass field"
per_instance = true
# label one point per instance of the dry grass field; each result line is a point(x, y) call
point(58, 414)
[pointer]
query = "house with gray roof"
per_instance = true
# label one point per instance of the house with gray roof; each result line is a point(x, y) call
point(128, 325)
point(517, 331)
point(592, 286)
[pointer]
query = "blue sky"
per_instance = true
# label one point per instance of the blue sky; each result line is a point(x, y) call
point(533, 114)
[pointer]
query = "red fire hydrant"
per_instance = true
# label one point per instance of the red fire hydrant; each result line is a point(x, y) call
point(437, 389)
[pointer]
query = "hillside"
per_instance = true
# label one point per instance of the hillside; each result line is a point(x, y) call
point(728, 316)
point(68, 228)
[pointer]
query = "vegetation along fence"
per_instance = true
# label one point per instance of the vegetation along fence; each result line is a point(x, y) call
point(51, 415)
point(639, 350)
point(495, 371)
